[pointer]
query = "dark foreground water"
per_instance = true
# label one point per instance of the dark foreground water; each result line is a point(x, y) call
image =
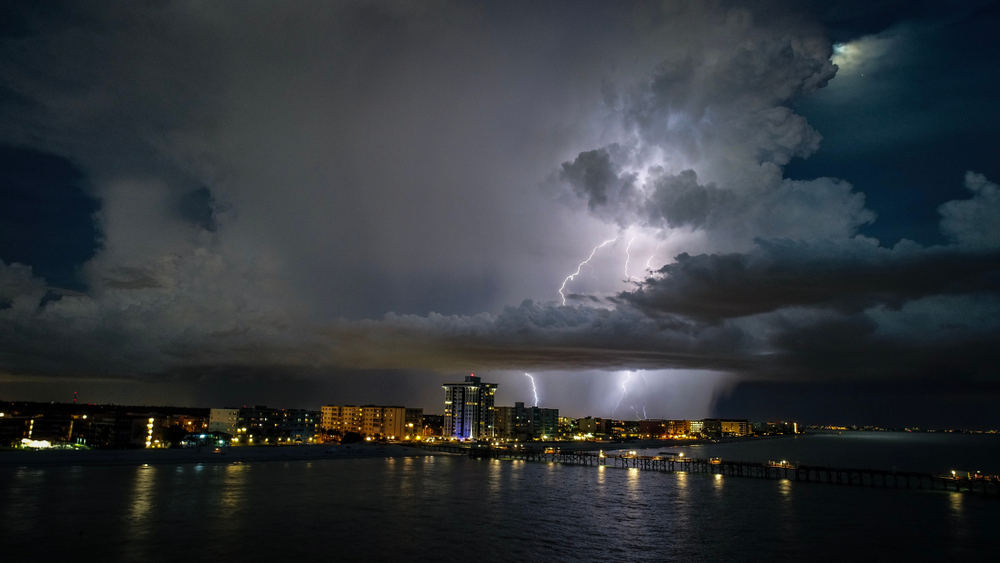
point(450, 508)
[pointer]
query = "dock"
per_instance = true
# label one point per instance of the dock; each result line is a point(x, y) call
point(987, 485)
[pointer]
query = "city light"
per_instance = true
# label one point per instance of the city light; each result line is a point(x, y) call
point(29, 443)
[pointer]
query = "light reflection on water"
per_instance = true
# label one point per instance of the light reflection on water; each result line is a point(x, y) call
point(21, 513)
point(419, 509)
point(906, 451)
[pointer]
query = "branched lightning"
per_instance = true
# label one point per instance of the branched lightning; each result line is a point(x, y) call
point(628, 376)
point(580, 267)
point(534, 390)
point(627, 257)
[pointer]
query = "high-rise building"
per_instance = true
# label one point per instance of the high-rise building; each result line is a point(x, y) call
point(468, 409)
point(526, 423)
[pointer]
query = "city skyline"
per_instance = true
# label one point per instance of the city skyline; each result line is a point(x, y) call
point(763, 208)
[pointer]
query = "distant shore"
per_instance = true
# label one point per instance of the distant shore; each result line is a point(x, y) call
point(246, 454)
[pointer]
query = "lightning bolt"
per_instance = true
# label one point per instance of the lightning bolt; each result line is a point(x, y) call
point(627, 258)
point(580, 267)
point(628, 376)
point(645, 389)
point(534, 390)
point(649, 266)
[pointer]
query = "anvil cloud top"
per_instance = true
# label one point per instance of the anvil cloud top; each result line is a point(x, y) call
point(324, 197)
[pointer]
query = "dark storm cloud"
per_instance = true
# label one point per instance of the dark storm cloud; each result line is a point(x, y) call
point(882, 403)
point(288, 190)
point(855, 347)
point(705, 137)
point(737, 213)
point(198, 207)
point(849, 276)
point(595, 178)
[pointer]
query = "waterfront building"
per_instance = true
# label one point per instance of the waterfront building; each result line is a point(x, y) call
point(679, 427)
point(433, 425)
point(696, 427)
point(654, 428)
point(13, 429)
point(299, 425)
point(505, 423)
point(372, 421)
point(591, 427)
point(340, 419)
point(725, 427)
point(224, 420)
point(329, 419)
point(526, 423)
point(567, 428)
point(657, 428)
point(350, 419)
point(778, 427)
point(383, 422)
point(468, 409)
point(261, 425)
point(413, 424)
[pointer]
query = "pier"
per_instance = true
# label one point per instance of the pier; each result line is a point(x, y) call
point(987, 485)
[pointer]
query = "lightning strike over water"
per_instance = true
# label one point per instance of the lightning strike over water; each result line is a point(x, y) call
point(627, 257)
point(628, 376)
point(580, 267)
point(534, 390)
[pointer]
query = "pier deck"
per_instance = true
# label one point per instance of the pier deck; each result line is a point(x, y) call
point(988, 485)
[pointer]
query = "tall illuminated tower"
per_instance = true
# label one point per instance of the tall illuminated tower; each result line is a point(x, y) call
point(468, 409)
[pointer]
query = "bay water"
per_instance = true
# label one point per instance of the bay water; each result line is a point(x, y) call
point(438, 508)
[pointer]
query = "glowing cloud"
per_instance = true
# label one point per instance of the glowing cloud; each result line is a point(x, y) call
point(580, 267)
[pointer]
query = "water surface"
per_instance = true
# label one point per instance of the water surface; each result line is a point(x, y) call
point(437, 508)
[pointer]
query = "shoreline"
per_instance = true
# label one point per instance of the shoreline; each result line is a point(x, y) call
point(245, 454)
point(248, 454)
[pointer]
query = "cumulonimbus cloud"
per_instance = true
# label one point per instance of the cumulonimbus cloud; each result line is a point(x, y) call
point(388, 159)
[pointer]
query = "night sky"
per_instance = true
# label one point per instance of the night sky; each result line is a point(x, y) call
point(791, 209)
